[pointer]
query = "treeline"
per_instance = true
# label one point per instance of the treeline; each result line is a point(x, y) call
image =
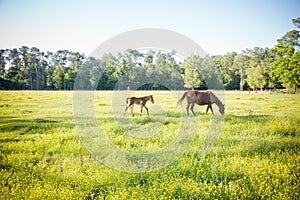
point(30, 69)
point(27, 68)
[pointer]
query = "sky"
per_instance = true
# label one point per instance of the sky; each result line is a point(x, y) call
point(218, 26)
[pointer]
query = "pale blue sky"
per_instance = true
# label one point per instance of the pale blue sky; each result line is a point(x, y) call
point(218, 26)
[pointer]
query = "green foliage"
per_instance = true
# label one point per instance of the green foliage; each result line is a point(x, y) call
point(296, 22)
point(291, 75)
point(2, 63)
point(29, 68)
point(291, 38)
point(202, 73)
point(240, 64)
point(32, 69)
point(230, 77)
point(256, 77)
point(287, 70)
point(58, 78)
point(255, 157)
point(192, 76)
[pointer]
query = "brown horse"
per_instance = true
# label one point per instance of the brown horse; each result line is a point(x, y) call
point(201, 98)
point(139, 101)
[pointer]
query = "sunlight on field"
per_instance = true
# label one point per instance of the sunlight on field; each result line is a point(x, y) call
point(255, 157)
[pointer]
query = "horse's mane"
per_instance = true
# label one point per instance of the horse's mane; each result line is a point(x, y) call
point(216, 99)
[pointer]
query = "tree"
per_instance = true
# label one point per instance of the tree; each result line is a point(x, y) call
point(49, 73)
point(288, 71)
point(75, 60)
point(23, 66)
point(88, 75)
point(14, 73)
point(296, 22)
point(256, 56)
point(43, 64)
point(240, 64)
point(33, 58)
point(230, 78)
point(256, 77)
point(286, 66)
point(291, 38)
point(2, 63)
point(108, 79)
point(166, 72)
point(256, 73)
point(192, 76)
point(293, 76)
point(59, 78)
point(96, 68)
point(29, 68)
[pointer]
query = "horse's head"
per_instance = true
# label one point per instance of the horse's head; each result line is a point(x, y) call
point(222, 109)
point(151, 99)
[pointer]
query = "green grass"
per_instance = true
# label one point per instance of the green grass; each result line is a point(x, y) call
point(255, 157)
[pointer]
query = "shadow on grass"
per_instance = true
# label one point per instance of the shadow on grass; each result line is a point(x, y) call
point(32, 126)
point(237, 119)
point(265, 148)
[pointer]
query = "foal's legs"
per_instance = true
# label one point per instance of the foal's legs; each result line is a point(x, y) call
point(131, 108)
point(125, 110)
point(141, 109)
point(145, 108)
point(129, 105)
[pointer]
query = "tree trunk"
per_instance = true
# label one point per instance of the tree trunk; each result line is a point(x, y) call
point(37, 78)
point(31, 81)
point(242, 77)
point(241, 84)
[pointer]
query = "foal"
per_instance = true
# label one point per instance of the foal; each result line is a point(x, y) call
point(139, 101)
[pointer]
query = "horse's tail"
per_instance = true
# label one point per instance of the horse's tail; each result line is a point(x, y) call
point(181, 99)
point(127, 100)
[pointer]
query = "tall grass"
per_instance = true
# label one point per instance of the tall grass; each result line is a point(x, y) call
point(255, 157)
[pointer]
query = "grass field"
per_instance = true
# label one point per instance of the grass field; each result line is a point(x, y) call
point(255, 157)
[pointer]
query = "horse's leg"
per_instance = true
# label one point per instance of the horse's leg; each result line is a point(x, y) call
point(207, 108)
point(192, 108)
point(141, 109)
point(210, 106)
point(131, 108)
point(128, 105)
point(147, 110)
point(125, 110)
point(187, 109)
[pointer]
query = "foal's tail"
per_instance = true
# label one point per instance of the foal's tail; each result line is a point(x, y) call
point(181, 99)
point(127, 100)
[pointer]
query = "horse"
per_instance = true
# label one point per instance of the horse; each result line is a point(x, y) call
point(139, 101)
point(201, 98)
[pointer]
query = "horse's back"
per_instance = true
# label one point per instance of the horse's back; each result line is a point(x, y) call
point(134, 100)
point(201, 98)
point(130, 100)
